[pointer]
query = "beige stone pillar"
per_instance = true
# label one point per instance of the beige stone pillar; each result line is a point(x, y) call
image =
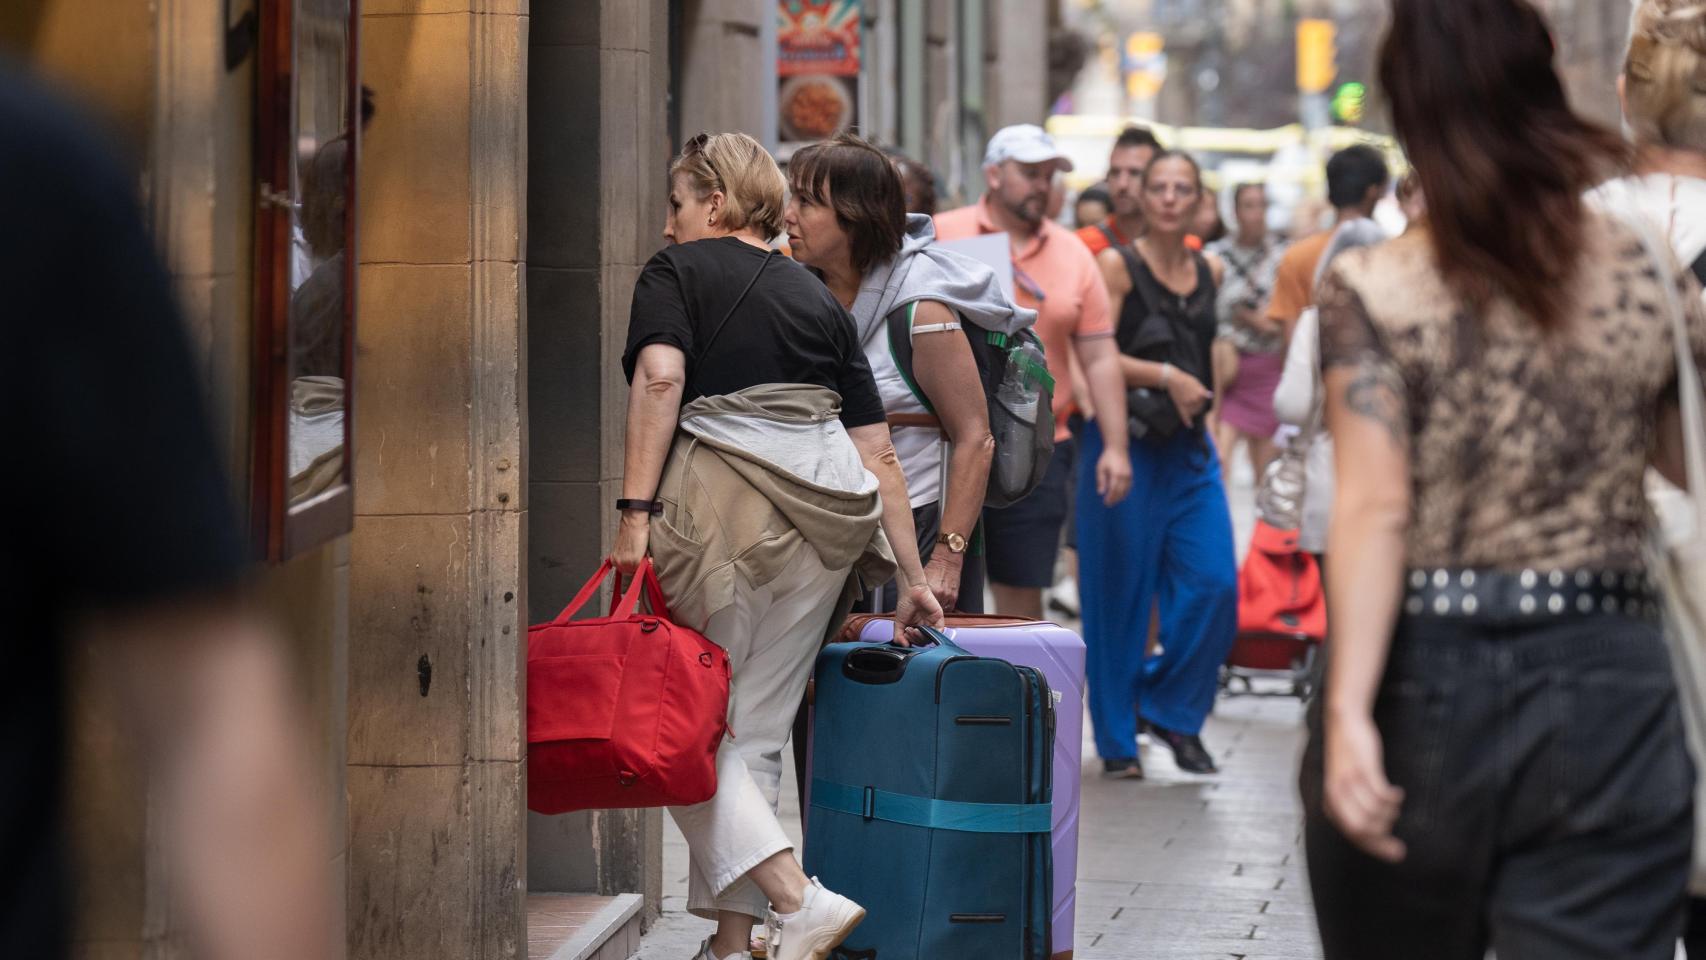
point(726, 75)
point(436, 589)
point(599, 76)
point(1018, 70)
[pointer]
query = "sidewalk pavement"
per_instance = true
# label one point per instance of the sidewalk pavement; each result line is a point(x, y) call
point(1176, 867)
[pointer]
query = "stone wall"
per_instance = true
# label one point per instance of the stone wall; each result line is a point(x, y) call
point(437, 599)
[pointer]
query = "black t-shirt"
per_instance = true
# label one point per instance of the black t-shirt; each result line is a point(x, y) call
point(114, 492)
point(788, 329)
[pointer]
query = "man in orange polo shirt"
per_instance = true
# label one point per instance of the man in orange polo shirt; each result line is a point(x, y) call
point(1132, 152)
point(1056, 276)
point(1357, 177)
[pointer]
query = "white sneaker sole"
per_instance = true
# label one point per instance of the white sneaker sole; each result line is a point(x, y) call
point(845, 920)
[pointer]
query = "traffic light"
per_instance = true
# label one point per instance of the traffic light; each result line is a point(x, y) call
point(1145, 65)
point(1317, 55)
point(1350, 103)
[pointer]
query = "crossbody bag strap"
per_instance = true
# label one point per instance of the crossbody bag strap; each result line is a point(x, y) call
point(710, 341)
point(1691, 396)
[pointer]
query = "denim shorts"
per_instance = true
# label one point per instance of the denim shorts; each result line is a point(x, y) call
point(1548, 798)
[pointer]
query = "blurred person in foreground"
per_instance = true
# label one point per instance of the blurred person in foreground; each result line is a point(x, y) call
point(760, 477)
point(1664, 106)
point(143, 564)
point(1357, 177)
point(1249, 345)
point(1498, 758)
point(1169, 547)
point(1056, 276)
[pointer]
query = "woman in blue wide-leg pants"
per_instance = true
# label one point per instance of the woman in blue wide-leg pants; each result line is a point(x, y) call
point(1170, 541)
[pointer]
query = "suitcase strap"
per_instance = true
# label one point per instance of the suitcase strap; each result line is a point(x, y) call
point(873, 804)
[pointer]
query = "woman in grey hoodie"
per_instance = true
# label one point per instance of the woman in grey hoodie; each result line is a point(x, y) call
point(846, 219)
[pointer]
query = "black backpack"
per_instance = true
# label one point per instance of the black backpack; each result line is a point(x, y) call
point(1020, 394)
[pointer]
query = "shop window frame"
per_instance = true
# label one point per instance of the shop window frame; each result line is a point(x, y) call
point(278, 530)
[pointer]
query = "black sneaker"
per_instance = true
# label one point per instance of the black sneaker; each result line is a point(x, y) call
point(1127, 768)
point(1188, 750)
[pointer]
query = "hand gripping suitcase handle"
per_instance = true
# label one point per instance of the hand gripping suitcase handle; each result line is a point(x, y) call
point(885, 663)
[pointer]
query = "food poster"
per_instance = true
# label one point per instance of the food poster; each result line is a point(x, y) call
point(817, 66)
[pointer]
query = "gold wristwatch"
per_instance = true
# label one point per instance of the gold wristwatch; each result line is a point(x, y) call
point(955, 542)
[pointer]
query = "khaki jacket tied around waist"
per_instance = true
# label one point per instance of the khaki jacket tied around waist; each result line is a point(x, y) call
point(749, 476)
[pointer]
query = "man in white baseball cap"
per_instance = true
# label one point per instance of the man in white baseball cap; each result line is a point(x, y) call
point(1055, 275)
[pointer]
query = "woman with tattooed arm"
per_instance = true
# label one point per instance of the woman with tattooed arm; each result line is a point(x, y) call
point(1498, 760)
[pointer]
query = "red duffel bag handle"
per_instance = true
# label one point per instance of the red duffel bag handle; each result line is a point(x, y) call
point(627, 601)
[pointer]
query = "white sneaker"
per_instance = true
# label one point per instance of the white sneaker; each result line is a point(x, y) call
point(824, 920)
point(706, 954)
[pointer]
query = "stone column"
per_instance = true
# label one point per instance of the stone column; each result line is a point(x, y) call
point(727, 75)
point(597, 162)
point(437, 605)
point(1018, 72)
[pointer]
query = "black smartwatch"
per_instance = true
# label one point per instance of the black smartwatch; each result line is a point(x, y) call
point(653, 507)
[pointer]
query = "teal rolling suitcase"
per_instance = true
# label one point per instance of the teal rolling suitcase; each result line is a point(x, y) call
point(929, 801)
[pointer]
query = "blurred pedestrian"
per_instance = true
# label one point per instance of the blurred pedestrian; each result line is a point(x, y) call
point(1207, 226)
point(1171, 541)
point(1665, 108)
point(1250, 346)
point(143, 564)
point(1357, 177)
point(1498, 758)
point(844, 219)
point(1412, 201)
point(1092, 206)
point(919, 183)
point(742, 357)
point(1298, 404)
point(1056, 276)
point(1123, 223)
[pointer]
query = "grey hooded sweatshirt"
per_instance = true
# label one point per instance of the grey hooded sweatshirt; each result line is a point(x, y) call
point(923, 270)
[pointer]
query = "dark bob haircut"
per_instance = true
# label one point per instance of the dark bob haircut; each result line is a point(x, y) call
point(865, 190)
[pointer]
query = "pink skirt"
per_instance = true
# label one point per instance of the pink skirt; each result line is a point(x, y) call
point(1249, 404)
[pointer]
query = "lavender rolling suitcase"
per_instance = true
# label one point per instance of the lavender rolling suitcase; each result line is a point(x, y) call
point(1059, 654)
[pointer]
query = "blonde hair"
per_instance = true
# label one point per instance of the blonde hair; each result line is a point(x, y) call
point(738, 166)
point(1665, 73)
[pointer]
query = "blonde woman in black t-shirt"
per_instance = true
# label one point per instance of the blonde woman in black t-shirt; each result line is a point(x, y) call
point(723, 325)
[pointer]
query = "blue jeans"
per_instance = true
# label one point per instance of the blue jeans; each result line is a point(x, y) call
point(1170, 541)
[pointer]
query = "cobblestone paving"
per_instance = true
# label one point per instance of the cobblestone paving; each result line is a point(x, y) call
point(1176, 867)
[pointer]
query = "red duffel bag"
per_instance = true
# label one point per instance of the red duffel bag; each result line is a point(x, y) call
point(623, 711)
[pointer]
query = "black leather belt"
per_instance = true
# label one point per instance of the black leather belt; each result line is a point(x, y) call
point(1502, 595)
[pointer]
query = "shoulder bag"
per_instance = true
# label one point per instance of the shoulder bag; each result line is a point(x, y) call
point(1678, 554)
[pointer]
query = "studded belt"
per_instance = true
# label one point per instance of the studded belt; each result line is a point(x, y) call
point(1501, 595)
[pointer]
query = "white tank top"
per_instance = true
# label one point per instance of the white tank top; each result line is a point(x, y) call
point(921, 450)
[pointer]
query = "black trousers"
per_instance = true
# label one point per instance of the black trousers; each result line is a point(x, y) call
point(1548, 803)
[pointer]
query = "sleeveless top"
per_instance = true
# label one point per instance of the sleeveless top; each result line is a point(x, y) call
point(1194, 312)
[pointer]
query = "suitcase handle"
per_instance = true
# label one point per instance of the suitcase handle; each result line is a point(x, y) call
point(877, 664)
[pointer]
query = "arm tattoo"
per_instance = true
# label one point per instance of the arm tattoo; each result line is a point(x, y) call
point(1378, 395)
